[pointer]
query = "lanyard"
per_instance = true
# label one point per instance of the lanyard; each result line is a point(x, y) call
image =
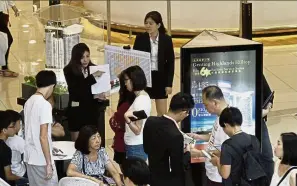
point(174, 123)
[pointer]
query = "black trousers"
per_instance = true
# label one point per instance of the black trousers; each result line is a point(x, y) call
point(4, 29)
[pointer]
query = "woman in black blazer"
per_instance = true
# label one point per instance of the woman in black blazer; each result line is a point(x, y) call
point(82, 106)
point(159, 44)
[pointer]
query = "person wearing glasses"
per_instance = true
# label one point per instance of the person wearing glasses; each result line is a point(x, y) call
point(163, 141)
point(7, 129)
point(117, 121)
point(17, 146)
point(214, 102)
point(135, 82)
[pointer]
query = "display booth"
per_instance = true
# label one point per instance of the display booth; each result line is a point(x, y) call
point(62, 27)
point(235, 65)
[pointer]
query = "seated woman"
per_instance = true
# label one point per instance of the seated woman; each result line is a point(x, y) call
point(90, 161)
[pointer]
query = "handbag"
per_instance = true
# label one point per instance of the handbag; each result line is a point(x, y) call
point(114, 124)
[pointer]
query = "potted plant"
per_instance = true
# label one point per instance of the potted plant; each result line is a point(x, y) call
point(61, 95)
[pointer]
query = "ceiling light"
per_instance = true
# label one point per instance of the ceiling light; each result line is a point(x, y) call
point(32, 41)
point(34, 63)
point(25, 26)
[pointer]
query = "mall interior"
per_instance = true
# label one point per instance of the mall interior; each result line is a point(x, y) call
point(274, 24)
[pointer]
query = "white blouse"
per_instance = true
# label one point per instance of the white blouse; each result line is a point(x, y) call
point(154, 54)
point(276, 178)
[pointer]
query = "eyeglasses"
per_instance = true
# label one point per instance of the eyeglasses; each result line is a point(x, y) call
point(187, 111)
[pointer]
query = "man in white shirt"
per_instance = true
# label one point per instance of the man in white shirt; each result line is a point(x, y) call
point(5, 5)
point(38, 156)
point(214, 102)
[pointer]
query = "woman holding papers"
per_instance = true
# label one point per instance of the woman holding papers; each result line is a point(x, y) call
point(82, 106)
point(159, 44)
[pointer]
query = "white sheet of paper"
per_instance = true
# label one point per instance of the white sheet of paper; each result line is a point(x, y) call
point(103, 82)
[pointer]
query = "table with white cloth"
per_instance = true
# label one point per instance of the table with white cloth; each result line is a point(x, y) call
point(68, 149)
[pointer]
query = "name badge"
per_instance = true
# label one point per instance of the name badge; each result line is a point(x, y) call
point(74, 104)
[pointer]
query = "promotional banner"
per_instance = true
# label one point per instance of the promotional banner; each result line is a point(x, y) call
point(234, 72)
point(120, 59)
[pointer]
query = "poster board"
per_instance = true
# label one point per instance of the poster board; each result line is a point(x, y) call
point(235, 68)
point(120, 59)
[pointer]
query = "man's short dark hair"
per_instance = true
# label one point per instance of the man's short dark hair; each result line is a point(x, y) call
point(45, 78)
point(181, 101)
point(289, 148)
point(232, 116)
point(213, 92)
point(14, 115)
point(82, 141)
point(136, 170)
point(137, 77)
point(5, 120)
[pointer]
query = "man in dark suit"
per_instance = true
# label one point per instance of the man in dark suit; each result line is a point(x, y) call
point(163, 141)
point(267, 151)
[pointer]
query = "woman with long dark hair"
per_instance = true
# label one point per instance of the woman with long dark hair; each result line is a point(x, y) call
point(286, 167)
point(159, 44)
point(117, 121)
point(135, 82)
point(83, 105)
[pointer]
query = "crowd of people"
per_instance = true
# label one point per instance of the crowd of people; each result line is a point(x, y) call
point(150, 150)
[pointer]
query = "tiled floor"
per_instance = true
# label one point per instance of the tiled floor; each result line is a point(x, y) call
point(280, 68)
